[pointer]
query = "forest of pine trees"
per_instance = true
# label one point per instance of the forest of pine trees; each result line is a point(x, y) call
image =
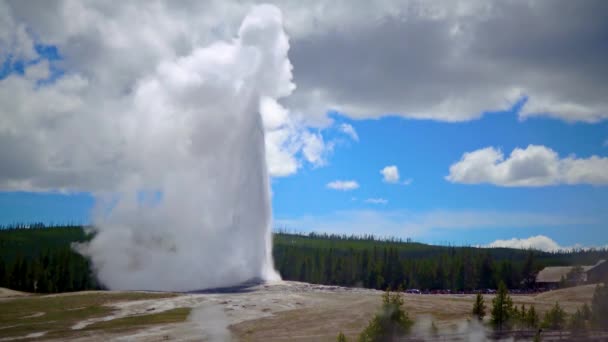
point(40, 259)
point(381, 264)
point(57, 270)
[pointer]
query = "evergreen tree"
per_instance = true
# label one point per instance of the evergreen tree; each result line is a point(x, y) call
point(586, 312)
point(486, 280)
point(479, 307)
point(14, 280)
point(599, 307)
point(502, 307)
point(3, 277)
point(555, 318)
point(529, 271)
point(577, 322)
point(531, 318)
point(391, 322)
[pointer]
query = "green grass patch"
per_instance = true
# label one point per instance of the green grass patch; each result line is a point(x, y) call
point(170, 316)
point(22, 316)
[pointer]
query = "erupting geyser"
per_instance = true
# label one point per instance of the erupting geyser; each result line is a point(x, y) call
point(195, 213)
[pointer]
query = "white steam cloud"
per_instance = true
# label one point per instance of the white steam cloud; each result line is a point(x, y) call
point(196, 135)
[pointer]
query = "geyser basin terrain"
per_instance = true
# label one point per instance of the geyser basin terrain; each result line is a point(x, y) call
point(194, 137)
point(282, 311)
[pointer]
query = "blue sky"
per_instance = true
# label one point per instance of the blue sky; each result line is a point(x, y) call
point(422, 150)
point(68, 109)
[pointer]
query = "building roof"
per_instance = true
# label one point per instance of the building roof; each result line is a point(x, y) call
point(598, 263)
point(555, 274)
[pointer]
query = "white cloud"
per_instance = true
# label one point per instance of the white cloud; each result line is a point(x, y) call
point(390, 174)
point(532, 166)
point(315, 149)
point(606, 143)
point(73, 134)
point(460, 59)
point(107, 55)
point(350, 131)
point(346, 185)
point(376, 201)
point(539, 242)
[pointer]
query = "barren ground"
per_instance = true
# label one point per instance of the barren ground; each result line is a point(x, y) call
point(269, 312)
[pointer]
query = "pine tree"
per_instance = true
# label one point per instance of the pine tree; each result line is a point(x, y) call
point(14, 281)
point(521, 319)
point(577, 322)
point(586, 312)
point(502, 307)
point(486, 280)
point(555, 318)
point(479, 307)
point(528, 272)
point(531, 319)
point(391, 322)
point(3, 277)
point(599, 307)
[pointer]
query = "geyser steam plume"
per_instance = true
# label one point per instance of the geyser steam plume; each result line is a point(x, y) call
point(196, 211)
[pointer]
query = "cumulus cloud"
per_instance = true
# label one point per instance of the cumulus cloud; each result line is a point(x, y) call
point(343, 185)
point(315, 149)
point(376, 201)
point(455, 66)
point(390, 174)
point(70, 132)
point(350, 131)
point(539, 242)
point(533, 166)
point(454, 61)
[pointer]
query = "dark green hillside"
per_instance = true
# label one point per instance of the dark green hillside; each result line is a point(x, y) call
point(40, 259)
point(365, 261)
point(29, 242)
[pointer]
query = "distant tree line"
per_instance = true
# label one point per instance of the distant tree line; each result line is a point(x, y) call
point(39, 259)
point(56, 270)
point(381, 264)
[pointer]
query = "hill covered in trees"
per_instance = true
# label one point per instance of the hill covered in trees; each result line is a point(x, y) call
point(393, 263)
point(40, 259)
